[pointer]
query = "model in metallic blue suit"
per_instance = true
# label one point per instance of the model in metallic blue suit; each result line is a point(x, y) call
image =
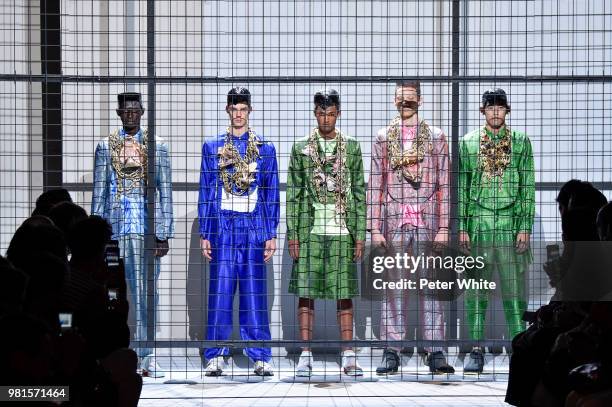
point(239, 214)
point(119, 196)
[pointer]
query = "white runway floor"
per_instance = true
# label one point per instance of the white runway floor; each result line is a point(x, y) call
point(186, 385)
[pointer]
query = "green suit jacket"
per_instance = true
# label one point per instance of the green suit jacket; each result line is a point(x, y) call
point(301, 193)
point(513, 194)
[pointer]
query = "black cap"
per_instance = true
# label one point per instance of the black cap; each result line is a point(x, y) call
point(239, 95)
point(129, 97)
point(494, 97)
point(325, 98)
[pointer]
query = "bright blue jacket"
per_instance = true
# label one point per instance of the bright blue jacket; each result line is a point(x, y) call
point(265, 217)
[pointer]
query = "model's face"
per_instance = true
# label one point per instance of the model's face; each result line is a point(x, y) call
point(495, 116)
point(407, 101)
point(326, 118)
point(239, 115)
point(130, 113)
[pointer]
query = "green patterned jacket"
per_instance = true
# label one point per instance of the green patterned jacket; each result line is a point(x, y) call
point(301, 193)
point(515, 190)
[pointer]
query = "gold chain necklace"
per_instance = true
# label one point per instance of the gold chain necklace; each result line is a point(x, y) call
point(244, 168)
point(136, 175)
point(337, 182)
point(494, 156)
point(403, 161)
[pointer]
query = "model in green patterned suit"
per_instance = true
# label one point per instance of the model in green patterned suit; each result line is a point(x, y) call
point(326, 224)
point(496, 210)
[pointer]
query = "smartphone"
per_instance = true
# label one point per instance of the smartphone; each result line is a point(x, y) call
point(552, 252)
point(65, 320)
point(112, 294)
point(112, 255)
point(529, 316)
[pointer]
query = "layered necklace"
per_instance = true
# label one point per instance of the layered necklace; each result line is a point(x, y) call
point(338, 181)
point(238, 182)
point(122, 160)
point(405, 161)
point(494, 156)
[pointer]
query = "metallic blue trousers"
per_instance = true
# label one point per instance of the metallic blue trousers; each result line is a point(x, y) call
point(132, 248)
point(238, 263)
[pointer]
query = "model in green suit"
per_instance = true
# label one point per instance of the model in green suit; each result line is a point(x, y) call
point(496, 210)
point(326, 224)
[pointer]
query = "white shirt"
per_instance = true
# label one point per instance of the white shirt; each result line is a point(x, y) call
point(239, 203)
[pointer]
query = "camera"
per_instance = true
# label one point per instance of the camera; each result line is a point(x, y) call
point(552, 252)
point(552, 267)
point(111, 255)
point(115, 278)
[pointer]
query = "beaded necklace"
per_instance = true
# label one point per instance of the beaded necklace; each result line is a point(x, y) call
point(338, 181)
point(137, 174)
point(494, 156)
point(244, 167)
point(402, 161)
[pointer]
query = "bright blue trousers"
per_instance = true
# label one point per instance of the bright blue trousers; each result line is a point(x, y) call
point(238, 264)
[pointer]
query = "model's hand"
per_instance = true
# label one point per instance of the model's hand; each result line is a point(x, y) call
point(294, 249)
point(464, 242)
point(522, 242)
point(359, 246)
point(378, 239)
point(270, 249)
point(206, 248)
point(441, 240)
point(162, 248)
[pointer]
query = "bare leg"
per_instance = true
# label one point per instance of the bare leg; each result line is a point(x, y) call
point(306, 319)
point(345, 320)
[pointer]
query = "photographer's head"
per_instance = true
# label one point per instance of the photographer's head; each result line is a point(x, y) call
point(87, 240)
point(65, 214)
point(579, 202)
point(567, 191)
point(34, 237)
point(49, 199)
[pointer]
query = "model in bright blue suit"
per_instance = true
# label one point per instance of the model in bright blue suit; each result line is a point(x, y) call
point(119, 196)
point(239, 214)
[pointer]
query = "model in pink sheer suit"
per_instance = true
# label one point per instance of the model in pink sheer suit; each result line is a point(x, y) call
point(408, 211)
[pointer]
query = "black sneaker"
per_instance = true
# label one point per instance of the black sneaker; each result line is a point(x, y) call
point(390, 362)
point(437, 363)
point(475, 363)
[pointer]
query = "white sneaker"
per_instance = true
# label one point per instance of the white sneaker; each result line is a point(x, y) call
point(304, 366)
point(215, 366)
point(350, 365)
point(150, 367)
point(263, 368)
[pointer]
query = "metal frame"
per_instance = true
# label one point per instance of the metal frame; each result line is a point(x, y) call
point(51, 79)
point(51, 66)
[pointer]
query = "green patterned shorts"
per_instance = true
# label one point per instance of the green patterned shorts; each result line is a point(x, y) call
point(325, 268)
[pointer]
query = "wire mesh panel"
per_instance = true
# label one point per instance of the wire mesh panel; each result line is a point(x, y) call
point(63, 68)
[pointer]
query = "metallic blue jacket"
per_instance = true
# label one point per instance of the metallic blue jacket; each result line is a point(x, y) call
point(265, 216)
point(127, 213)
